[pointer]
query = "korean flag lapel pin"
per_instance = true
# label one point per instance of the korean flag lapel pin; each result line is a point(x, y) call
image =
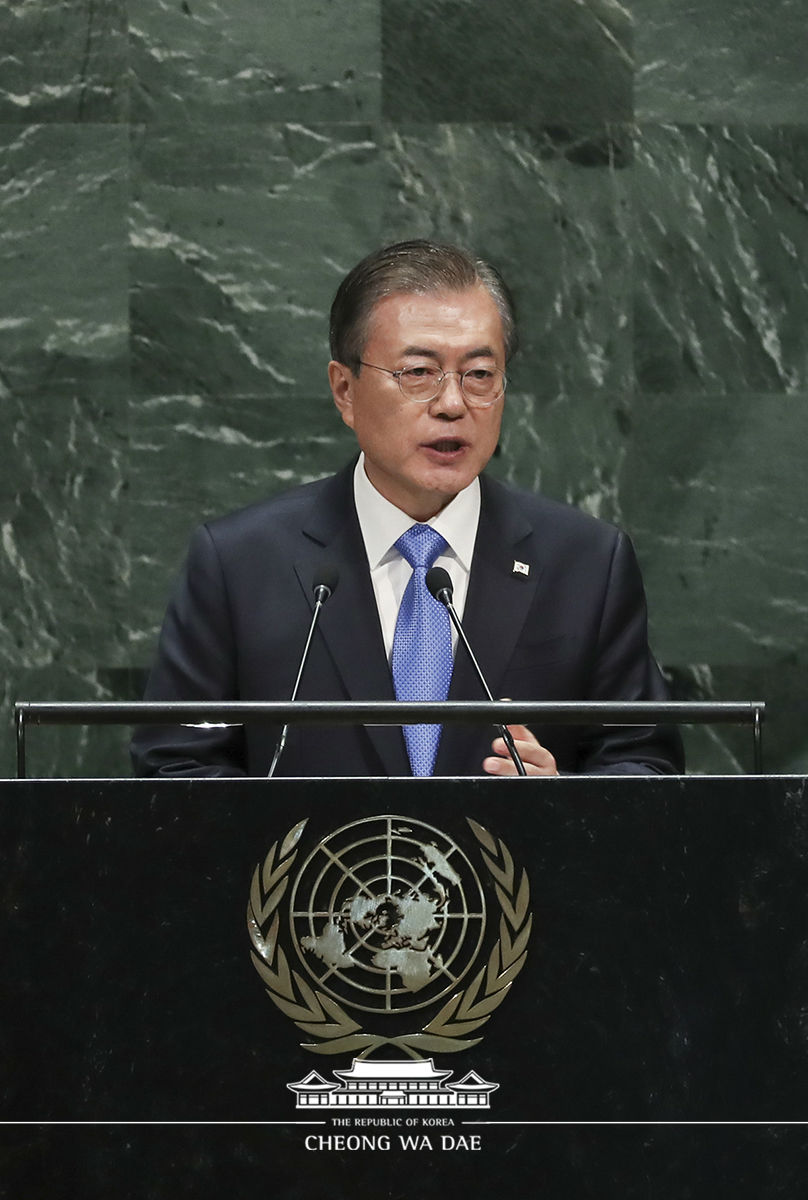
point(520, 568)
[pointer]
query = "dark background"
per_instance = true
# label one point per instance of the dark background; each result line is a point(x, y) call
point(663, 992)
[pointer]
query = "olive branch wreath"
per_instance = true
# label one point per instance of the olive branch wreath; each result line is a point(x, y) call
point(319, 1015)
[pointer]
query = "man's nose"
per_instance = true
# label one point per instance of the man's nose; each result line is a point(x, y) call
point(450, 398)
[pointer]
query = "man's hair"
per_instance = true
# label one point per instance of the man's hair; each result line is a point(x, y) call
point(416, 267)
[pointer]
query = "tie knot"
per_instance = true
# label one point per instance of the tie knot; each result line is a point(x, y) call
point(420, 545)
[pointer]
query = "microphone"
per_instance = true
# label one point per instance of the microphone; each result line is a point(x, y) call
point(440, 586)
point(323, 586)
point(325, 583)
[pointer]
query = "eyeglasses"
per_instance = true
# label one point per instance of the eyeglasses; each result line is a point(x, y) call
point(481, 386)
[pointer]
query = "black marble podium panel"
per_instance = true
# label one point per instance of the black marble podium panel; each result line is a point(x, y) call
point(665, 981)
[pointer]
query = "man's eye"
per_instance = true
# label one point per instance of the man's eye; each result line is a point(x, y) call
point(419, 373)
point(479, 374)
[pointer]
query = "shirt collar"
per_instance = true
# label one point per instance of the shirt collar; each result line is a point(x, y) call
point(382, 524)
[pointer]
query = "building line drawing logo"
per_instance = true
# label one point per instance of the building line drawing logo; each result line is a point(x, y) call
point(386, 918)
point(392, 1083)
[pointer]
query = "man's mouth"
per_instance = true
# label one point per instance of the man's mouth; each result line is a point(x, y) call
point(446, 445)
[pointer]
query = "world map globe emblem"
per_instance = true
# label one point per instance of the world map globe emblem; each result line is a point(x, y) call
point(387, 914)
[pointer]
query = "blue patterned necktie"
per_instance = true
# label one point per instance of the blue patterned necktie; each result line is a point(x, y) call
point(422, 644)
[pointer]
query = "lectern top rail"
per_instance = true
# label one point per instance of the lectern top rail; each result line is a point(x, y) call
point(374, 712)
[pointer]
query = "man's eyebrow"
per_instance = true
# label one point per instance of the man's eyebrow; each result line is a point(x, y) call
point(424, 352)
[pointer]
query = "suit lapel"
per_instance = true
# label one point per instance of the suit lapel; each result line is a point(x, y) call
point(497, 604)
point(349, 622)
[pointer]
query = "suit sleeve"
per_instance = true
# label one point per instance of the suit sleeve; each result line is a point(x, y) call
point(625, 669)
point(195, 661)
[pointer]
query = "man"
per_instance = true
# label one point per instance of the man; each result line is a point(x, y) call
point(552, 599)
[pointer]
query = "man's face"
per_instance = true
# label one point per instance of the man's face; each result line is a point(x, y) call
point(419, 456)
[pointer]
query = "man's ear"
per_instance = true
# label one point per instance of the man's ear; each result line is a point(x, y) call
point(342, 380)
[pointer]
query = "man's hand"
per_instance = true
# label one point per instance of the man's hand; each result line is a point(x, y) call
point(537, 760)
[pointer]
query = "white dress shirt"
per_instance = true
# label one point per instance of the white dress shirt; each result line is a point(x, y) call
point(382, 524)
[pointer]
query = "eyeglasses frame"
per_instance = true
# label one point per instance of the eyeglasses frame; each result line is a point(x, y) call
point(474, 401)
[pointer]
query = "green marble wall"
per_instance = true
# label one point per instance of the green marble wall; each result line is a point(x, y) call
point(184, 182)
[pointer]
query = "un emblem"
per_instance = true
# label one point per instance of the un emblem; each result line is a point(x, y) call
point(387, 914)
point(386, 917)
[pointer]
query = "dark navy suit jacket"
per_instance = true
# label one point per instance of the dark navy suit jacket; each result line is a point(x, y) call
point(574, 628)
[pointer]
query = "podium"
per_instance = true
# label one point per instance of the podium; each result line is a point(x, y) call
point(633, 950)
